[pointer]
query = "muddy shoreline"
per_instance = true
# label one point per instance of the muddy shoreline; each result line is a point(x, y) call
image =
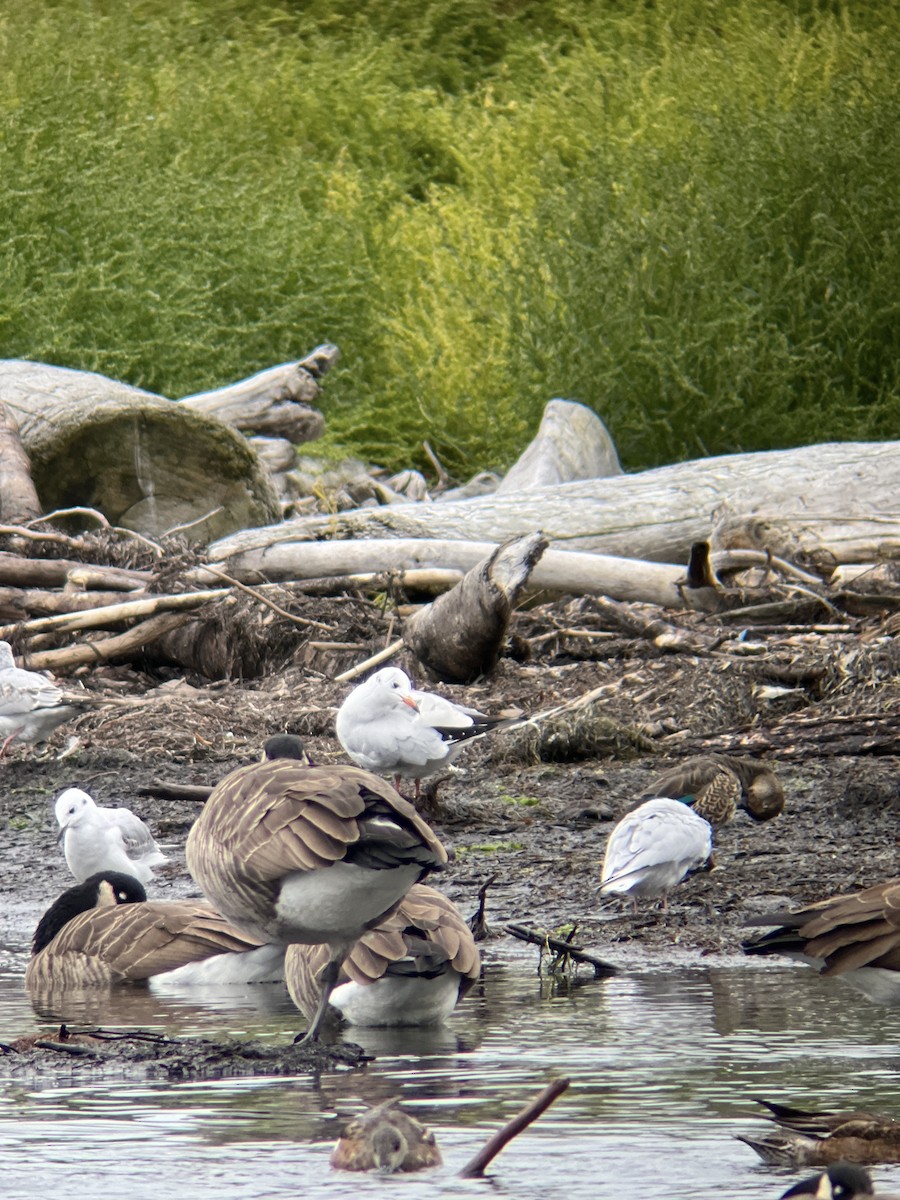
point(537, 827)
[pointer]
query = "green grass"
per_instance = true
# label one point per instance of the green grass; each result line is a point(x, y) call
point(683, 214)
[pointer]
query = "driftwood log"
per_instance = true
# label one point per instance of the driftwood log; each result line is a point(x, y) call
point(571, 443)
point(152, 465)
point(558, 572)
point(840, 496)
point(18, 498)
point(461, 634)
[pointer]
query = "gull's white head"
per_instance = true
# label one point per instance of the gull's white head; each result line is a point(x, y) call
point(72, 806)
point(393, 686)
point(6, 656)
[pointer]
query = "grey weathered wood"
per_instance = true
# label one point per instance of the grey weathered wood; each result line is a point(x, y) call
point(460, 635)
point(145, 462)
point(838, 495)
point(571, 443)
point(275, 402)
point(559, 571)
point(18, 498)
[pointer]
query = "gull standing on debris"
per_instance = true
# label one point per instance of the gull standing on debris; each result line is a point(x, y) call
point(31, 705)
point(385, 725)
point(104, 839)
point(653, 848)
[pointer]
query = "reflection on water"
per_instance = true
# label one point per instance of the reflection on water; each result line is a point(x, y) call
point(664, 1059)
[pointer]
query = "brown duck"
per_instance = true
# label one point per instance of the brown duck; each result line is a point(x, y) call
point(717, 785)
point(855, 936)
point(386, 1139)
point(808, 1138)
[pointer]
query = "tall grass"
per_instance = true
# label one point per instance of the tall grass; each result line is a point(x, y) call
point(683, 213)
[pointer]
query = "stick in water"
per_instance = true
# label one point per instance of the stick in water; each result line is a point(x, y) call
point(474, 1168)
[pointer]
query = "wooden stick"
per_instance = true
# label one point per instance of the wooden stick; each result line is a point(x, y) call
point(474, 1168)
point(120, 646)
point(361, 668)
point(194, 793)
point(111, 614)
point(46, 572)
point(602, 970)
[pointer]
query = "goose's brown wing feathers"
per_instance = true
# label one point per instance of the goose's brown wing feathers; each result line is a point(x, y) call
point(132, 942)
point(283, 816)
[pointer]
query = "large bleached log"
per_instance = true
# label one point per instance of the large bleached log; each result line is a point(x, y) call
point(461, 634)
point(571, 443)
point(558, 572)
point(842, 496)
point(18, 498)
point(146, 463)
point(275, 402)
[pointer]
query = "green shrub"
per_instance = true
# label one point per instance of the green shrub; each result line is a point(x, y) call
point(683, 214)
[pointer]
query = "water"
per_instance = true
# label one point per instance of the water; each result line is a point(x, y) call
point(664, 1060)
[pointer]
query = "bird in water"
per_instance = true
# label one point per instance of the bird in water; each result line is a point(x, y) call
point(413, 968)
point(854, 936)
point(105, 932)
point(841, 1181)
point(808, 1138)
point(386, 1139)
point(293, 853)
point(386, 725)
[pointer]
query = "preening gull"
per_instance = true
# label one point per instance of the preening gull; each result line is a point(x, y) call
point(104, 839)
point(653, 848)
point(386, 725)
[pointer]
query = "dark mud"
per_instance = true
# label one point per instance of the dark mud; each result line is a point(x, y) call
point(537, 827)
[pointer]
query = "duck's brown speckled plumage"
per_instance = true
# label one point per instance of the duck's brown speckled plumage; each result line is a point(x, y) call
point(722, 783)
point(386, 1139)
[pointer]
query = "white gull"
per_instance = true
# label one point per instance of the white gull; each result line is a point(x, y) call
point(104, 839)
point(653, 848)
point(31, 705)
point(385, 725)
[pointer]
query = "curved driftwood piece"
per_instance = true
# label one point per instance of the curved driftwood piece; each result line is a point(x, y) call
point(460, 635)
point(558, 572)
point(146, 463)
point(18, 498)
point(571, 443)
point(841, 496)
point(275, 402)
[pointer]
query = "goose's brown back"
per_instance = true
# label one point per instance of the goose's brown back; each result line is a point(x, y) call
point(270, 819)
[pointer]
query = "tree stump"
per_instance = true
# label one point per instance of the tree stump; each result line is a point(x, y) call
point(571, 443)
point(145, 462)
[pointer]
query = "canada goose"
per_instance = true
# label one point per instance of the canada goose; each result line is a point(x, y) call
point(294, 853)
point(104, 839)
point(842, 1181)
point(716, 785)
point(31, 705)
point(855, 936)
point(808, 1138)
point(386, 1139)
point(653, 848)
point(386, 726)
point(104, 932)
point(412, 968)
